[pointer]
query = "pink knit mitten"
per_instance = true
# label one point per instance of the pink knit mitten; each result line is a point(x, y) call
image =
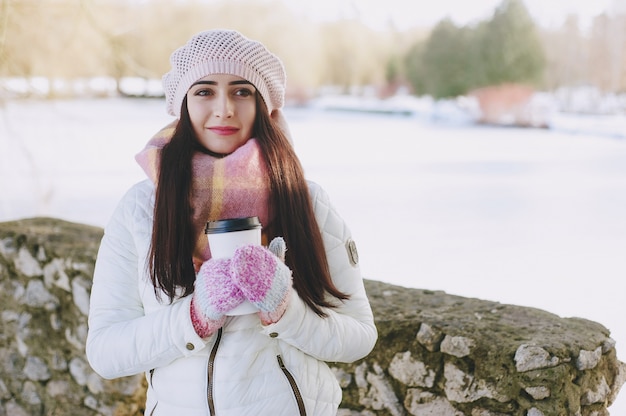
point(215, 294)
point(263, 278)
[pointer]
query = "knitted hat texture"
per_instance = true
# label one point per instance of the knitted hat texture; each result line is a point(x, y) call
point(224, 52)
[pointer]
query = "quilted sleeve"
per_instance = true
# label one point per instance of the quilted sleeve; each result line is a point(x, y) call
point(122, 339)
point(348, 332)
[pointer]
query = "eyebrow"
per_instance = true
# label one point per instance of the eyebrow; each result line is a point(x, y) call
point(237, 82)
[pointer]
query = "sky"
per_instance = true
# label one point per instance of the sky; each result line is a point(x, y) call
point(410, 13)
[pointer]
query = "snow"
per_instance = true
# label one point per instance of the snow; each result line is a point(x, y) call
point(533, 217)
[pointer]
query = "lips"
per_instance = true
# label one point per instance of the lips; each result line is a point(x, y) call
point(223, 130)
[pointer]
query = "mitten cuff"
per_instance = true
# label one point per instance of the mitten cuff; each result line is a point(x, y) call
point(274, 316)
point(203, 326)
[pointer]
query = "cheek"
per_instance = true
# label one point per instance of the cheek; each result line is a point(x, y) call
point(192, 110)
point(248, 116)
point(196, 117)
point(195, 107)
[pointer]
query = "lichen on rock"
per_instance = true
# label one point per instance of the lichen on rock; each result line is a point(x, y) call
point(437, 353)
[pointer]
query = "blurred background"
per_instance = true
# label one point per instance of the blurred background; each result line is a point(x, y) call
point(61, 48)
point(476, 147)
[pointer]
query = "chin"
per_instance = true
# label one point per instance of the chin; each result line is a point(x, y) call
point(222, 150)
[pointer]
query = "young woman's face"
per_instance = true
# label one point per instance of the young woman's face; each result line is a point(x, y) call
point(222, 109)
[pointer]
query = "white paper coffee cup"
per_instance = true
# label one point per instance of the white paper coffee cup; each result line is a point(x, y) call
point(225, 236)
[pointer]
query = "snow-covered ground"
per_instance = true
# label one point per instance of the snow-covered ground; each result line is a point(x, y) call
point(520, 216)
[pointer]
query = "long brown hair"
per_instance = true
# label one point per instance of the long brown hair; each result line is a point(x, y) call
point(173, 236)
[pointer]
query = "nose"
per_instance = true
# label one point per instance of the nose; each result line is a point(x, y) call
point(224, 107)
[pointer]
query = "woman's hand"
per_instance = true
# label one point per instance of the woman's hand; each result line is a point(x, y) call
point(215, 294)
point(263, 278)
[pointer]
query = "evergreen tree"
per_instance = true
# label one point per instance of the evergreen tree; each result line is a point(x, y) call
point(454, 60)
point(414, 68)
point(443, 67)
point(509, 46)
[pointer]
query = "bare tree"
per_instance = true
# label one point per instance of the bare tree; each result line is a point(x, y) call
point(70, 39)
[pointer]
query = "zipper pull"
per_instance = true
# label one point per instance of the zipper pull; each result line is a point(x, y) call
point(281, 364)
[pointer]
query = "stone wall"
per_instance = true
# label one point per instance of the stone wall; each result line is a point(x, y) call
point(437, 354)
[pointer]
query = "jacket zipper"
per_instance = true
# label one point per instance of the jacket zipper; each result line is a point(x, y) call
point(294, 386)
point(210, 369)
point(155, 405)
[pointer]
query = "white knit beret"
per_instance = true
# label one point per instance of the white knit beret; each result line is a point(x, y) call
point(224, 52)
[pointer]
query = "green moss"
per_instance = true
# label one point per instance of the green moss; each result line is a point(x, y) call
point(496, 331)
point(60, 238)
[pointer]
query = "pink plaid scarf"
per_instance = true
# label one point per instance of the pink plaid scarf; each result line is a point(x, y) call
point(234, 186)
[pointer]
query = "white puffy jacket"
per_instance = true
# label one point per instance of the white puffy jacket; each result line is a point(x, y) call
point(244, 369)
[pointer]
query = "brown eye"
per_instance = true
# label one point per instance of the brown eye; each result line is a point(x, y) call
point(244, 92)
point(202, 92)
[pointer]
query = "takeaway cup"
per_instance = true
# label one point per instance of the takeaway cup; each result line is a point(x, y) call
point(225, 236)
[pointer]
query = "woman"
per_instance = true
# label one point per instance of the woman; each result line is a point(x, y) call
point(160, 302)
